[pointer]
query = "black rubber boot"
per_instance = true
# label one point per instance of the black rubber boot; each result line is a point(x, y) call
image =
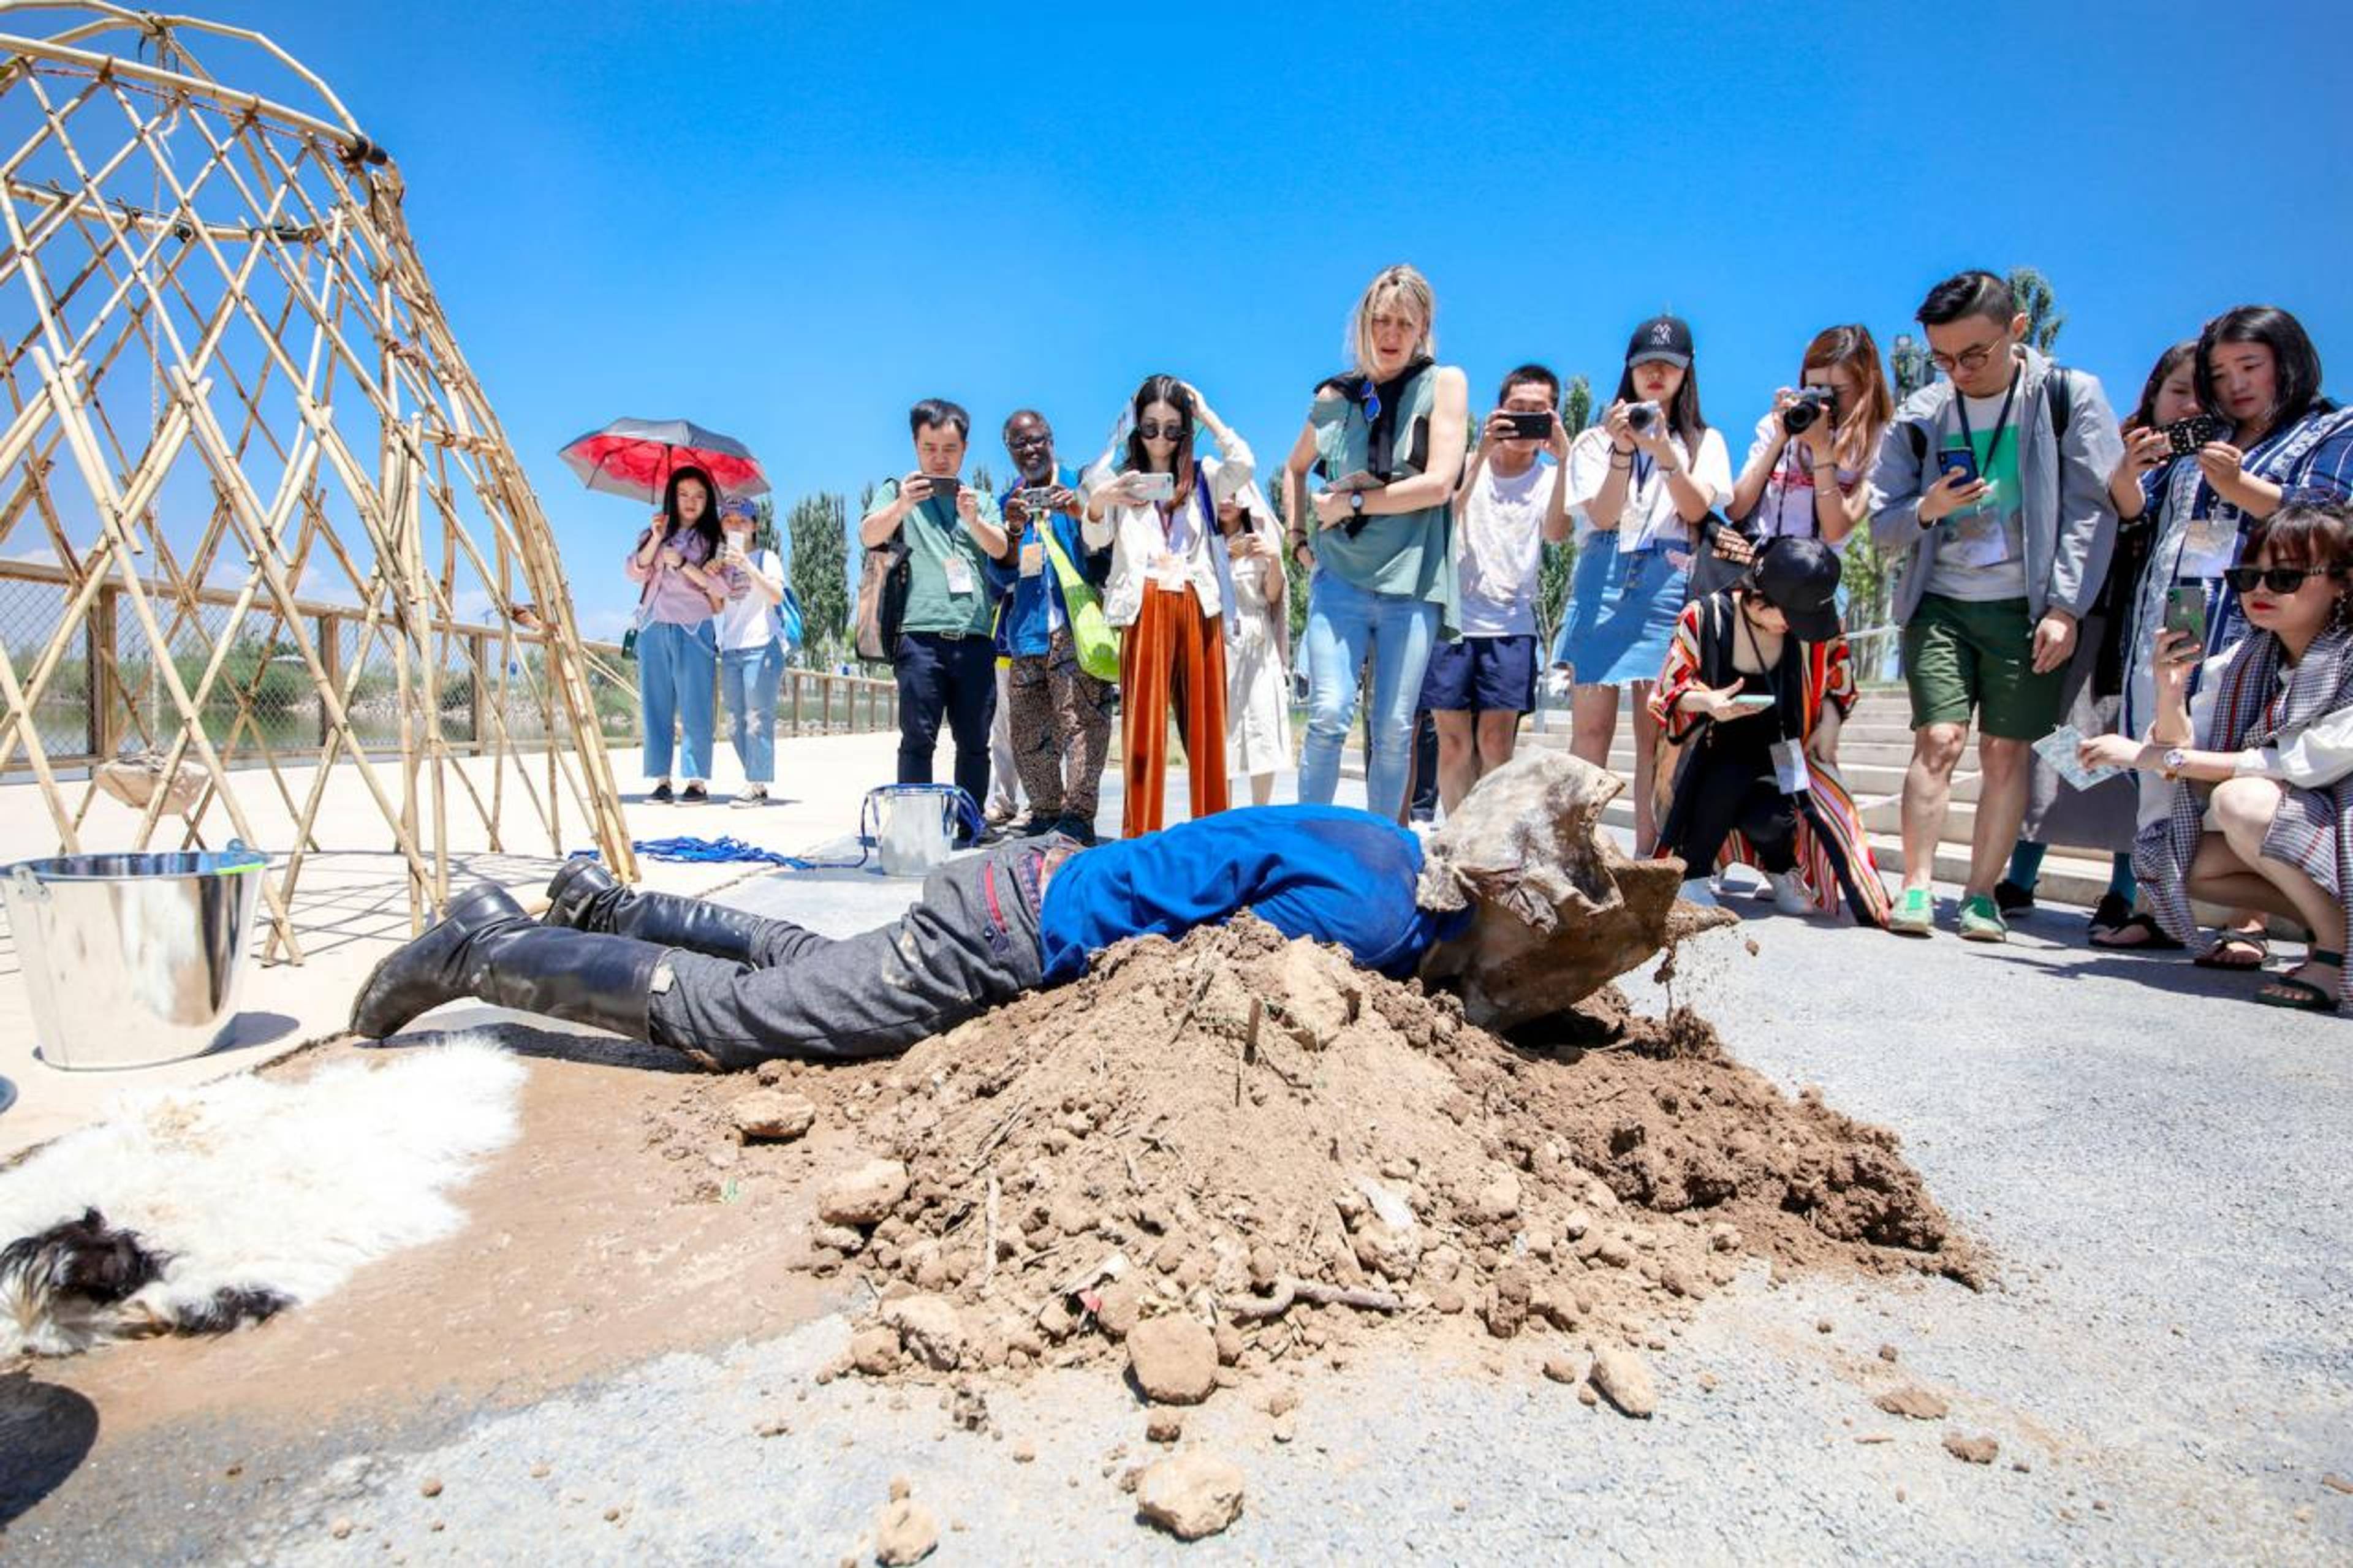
point(488, 949)
point(421, 975)
point(584, 897)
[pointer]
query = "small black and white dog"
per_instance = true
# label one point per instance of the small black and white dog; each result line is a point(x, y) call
point(83, 1283)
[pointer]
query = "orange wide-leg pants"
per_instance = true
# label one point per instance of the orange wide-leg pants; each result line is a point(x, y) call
point(1172, 660)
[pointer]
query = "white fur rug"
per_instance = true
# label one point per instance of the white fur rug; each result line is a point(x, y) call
point(288, 1186)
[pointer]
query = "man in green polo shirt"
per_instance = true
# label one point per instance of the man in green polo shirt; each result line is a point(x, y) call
point(959, 563)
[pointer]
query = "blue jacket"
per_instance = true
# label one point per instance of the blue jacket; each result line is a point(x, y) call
point(1021, 620)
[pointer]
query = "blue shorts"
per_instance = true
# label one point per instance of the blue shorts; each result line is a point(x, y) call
point(1482, 675)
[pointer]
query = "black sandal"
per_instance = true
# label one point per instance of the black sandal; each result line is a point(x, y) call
point(2212, 957)
point(2302, 995)
point(2153, 937)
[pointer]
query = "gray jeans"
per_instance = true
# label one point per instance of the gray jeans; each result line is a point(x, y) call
point(969, 944)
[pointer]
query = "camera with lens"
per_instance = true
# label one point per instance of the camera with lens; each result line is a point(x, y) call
point(1641, 416)
point(1813, 404)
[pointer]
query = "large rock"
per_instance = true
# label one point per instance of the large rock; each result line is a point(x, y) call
point(1624, 1380)
point(929, 1328)
point(772, 1114)
point(1174, 1359)
point(863, 1195)
point(1191, 1495)
point(1571, 912)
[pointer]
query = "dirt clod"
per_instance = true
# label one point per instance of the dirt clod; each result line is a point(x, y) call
point(1191, 1495)
point(1975, 1450)
point(1913, 1401)
point(1173, 1358)
point(773, 1115)
point(906, 1532)
point(864, 1195)
point(429, 1486)
point(1624, 1379)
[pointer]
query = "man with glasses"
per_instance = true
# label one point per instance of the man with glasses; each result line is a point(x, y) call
point(1990, 493)
point(1059, 715)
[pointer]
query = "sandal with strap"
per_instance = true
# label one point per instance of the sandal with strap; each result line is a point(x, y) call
point(2302, 995)
point(2152, 937)
point(2255, 941)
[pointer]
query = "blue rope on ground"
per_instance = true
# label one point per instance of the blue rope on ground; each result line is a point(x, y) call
point(726, 851)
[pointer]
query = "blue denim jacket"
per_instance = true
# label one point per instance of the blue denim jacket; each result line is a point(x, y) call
point(1021, 619)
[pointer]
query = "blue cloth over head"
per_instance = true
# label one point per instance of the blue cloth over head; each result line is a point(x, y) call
point(1330, 873)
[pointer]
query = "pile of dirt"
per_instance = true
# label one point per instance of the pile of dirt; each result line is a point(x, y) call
point(1255, 1140)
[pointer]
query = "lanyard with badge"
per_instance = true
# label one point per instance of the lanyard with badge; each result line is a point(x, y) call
point(1978, 536)
point(954, 566)
point(1790, 774)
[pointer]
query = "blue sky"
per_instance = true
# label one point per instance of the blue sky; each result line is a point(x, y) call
point(788, 223)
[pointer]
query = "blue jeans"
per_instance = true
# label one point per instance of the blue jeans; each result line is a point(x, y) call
point(1342, 620)
point(748, 679)
point(677, 667)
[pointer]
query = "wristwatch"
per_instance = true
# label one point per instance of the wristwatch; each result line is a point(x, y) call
point(2169, 765)
point(1356, 502)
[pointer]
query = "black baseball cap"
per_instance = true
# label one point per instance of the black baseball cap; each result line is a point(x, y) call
point(1664, 338)
point(1800, 577)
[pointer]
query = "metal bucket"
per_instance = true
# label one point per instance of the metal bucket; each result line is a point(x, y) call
point(133, 959)
point(913, 826)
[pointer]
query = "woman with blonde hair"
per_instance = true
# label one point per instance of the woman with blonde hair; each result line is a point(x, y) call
point(1388, 438)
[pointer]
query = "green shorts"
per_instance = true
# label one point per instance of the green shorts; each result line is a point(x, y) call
point(1962, 656)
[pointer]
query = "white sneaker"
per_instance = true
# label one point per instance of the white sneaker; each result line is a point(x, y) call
point(1789, 894)
point(1697, 891)
point(752, 795)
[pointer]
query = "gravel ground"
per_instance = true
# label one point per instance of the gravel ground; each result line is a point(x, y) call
point(2156, 1166)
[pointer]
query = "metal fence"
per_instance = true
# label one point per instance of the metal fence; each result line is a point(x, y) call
point(108, 693)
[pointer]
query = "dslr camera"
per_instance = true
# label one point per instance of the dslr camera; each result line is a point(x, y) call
point(1814, 404)
point(1641, 416)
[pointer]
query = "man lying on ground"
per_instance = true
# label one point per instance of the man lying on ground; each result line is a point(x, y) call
point(1517, 902)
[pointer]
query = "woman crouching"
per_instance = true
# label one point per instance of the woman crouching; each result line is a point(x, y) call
point(1756, 686)
point(2261, 812)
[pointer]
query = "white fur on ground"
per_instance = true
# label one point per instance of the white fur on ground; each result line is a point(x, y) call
point(283, 1186)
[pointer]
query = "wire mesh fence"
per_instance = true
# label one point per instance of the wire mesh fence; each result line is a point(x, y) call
point(109, 694)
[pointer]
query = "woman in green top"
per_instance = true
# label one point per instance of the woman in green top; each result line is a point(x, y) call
point(1388, 440)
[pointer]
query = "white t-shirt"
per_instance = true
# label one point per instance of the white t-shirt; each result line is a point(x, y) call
point(1785, 509)
point(1650, 516)
point(1502, 541)
point(749, 620)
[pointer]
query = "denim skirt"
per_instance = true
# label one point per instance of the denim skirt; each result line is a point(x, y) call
point(1621, 613)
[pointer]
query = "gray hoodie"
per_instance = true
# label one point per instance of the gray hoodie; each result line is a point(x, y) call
point(2070, 525)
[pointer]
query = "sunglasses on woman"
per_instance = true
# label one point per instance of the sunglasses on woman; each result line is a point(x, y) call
point(1152, 430)
point(2278, 579)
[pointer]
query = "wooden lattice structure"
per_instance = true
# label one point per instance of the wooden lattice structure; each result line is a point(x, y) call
point(224, 366)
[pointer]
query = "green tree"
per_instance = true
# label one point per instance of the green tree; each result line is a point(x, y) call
point(821, 535)
point(2044, 318)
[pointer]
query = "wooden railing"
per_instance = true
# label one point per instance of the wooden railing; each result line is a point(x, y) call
point(86, 715)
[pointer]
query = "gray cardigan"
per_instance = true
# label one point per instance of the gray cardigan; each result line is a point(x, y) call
point(2070, 525)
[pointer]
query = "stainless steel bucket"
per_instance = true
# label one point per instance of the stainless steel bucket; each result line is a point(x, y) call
point(133, 959)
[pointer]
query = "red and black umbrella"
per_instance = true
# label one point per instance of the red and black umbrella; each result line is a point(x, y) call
point(636, 458)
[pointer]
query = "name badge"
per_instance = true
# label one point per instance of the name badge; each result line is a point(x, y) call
point(1789, 772)
point(959, 575)
point(2209, 547)
point(1033, 559)
point(1976, 539)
